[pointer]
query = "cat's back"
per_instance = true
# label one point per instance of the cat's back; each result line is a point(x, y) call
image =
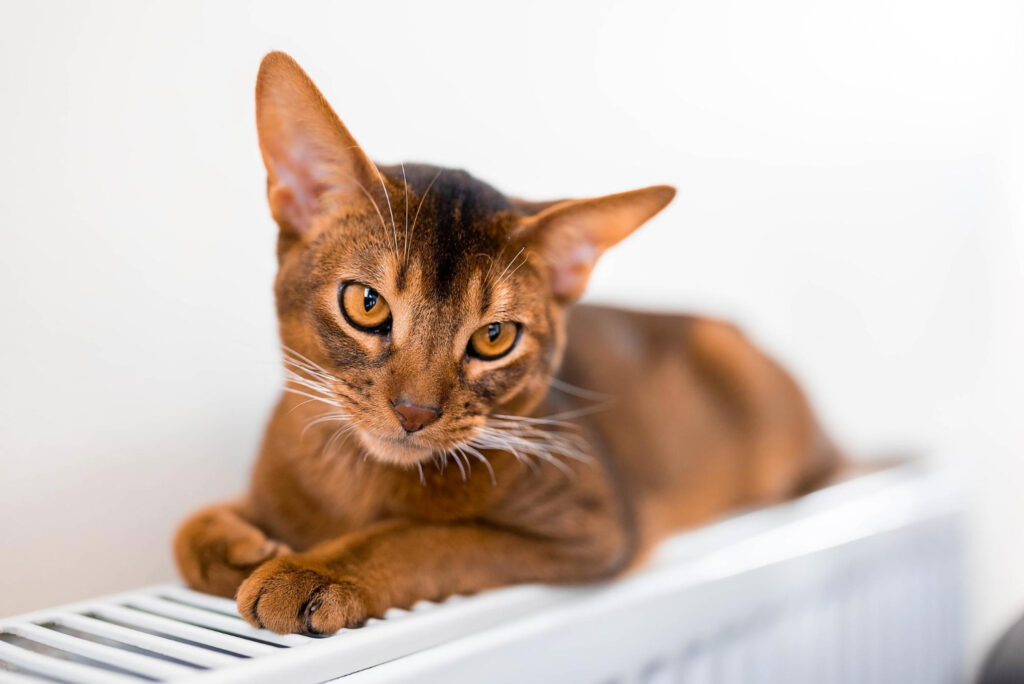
point(641, 381)
point(611, 327)
point(665, 361)
point(605, 344)
point(694, 416)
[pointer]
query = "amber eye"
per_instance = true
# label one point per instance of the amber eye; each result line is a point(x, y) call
point(365, 309)
point(493, 340)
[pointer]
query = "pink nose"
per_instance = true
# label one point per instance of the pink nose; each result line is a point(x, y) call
point(412, 416)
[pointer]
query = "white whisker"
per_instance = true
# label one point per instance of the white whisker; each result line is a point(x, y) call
point(306, 378)
point(500, 276)
point(345, 431)
point(324, 390)
point(322, 400)
point(462, 470)
point(561, 417)
point(406, 195)
point(387, 196)
point(527, 438)
point(304, 359)
point(512, 272)
point(558, 464)
point(310, 373)
point(422, 200)
point(465, 458)
point(326, 418)
point(483, 459)
point(577, 391)
point(301, 404)
point(380, 215)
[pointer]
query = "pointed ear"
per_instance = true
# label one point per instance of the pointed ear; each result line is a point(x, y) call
point(310, 156)
point(572, 234)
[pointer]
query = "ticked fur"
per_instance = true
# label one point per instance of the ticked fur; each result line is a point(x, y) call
point(562, 461)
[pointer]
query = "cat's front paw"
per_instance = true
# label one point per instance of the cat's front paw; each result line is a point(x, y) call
point(286, 595)
point(216, 549)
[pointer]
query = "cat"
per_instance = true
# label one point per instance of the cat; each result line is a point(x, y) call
point(451, 421)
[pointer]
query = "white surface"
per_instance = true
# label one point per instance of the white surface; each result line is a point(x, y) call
point(707, 588)
point(850, 181)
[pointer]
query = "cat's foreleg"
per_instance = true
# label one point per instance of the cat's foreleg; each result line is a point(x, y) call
point(396, 563)
point(217, 548)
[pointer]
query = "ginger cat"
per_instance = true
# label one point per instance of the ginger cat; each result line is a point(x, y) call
point(451, 421)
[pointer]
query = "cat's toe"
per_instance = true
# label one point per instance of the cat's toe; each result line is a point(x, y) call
point(249, 552)
point(332, 607)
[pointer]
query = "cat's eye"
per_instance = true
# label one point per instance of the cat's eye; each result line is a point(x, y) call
point(494, 340)
point(364, 308)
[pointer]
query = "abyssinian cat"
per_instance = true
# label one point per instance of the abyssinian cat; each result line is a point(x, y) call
point(451, 421)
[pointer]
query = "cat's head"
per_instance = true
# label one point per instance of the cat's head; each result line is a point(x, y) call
point(418, 305)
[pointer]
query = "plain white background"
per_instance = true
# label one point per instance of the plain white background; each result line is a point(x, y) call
point(851, 190)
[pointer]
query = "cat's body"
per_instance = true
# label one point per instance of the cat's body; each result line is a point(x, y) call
point(700, 422)
point(479, 430)
point(673, 412)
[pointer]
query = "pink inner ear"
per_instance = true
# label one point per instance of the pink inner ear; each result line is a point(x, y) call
point(570, 265)
point(294, 196)
point(286, 210)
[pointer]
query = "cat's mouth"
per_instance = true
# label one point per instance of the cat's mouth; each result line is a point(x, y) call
point(398, 450)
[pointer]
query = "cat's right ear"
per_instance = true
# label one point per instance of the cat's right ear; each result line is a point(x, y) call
point(311, 158)
point(570, 235)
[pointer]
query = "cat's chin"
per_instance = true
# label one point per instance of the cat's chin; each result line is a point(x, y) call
point(394, 451)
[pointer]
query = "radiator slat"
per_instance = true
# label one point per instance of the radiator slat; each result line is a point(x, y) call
point(197, 600)
point(151, 667)
point(174, 649)
point(185, 631)
point(198, 616)
point(15, 678)
point(61, 669)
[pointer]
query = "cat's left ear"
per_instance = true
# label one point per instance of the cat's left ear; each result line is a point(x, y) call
point(571, 235)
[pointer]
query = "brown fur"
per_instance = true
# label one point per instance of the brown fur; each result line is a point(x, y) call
point(660, 421)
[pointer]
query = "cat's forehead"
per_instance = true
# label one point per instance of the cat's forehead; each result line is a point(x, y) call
point(458, 226)
point(449, 243)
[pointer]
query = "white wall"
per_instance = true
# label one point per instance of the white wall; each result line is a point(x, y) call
point(850, 181)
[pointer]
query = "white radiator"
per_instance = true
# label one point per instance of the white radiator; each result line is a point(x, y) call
point(858, 583)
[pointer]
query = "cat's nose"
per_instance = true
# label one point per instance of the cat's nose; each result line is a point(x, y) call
point(412, 416)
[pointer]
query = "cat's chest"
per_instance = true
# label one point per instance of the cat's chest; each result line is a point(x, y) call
point(444, 493)
point(352, 496)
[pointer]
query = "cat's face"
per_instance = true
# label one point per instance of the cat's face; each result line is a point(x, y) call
point(421, 331)
point(419, 306)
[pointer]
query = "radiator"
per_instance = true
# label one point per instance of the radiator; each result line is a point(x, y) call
point(860, 582)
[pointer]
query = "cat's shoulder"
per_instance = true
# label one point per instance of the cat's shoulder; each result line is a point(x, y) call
point(592, 319)
point(647, 333)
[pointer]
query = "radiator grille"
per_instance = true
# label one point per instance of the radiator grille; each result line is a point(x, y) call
point(164, 634)
point(170, 633)
point(857, 583)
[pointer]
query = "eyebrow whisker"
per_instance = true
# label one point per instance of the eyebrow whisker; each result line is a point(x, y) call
point(420, 206)
point(387, 196)
point(501, 275)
